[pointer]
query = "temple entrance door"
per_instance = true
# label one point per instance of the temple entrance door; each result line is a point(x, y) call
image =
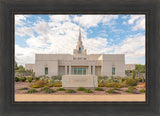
point(79, 71)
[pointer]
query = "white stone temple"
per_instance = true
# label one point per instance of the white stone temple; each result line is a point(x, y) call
point(79, 65)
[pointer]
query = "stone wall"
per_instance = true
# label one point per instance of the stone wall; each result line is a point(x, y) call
point(79, 81)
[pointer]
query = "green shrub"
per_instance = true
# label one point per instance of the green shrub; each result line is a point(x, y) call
point(140, 79)
point(49, 91)
point(56, 77)
point(111, 91)
point(80, 89)
point(29, 79)
point(123, 79)
point(57, 85)
point(103, 77)
point(101, 84)
point(116, 89)
point(41, 83)
point(70, 91)
point(60, 89)
point(131, 90)
point(44, 88)
point(23, 79)
point(36, 78)
point(88, 91)
point(131, 82)
point(24, 88)
point(16, 79)
point(142, 90)
point(35, 86)
point(114, 84)
point(98, 89)
point(32, 91)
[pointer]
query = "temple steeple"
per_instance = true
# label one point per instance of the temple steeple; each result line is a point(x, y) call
point(79, 48)
point(79, 43)
point(79, 34)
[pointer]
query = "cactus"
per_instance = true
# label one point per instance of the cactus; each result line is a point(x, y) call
point(133, 74)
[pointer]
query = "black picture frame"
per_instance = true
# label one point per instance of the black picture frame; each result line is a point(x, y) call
point(148, 7)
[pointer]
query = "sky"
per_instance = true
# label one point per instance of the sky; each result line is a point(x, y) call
point(101, 34)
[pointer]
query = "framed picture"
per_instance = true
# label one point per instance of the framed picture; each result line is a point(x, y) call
point(79, 57)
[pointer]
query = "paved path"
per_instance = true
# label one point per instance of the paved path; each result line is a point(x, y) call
point(44, 97)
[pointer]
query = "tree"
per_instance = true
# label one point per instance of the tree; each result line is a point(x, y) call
point(21, 68)
point(140, 68)
point(15, 65)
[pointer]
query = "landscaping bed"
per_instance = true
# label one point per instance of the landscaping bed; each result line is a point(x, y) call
point(23, 87)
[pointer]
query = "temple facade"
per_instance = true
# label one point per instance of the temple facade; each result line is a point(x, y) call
point(79, 63)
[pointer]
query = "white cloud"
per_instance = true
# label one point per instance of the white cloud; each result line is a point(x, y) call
point(133, 47)
point(96, 45)
point(125, 17)
point(124, 23)
point(93, 20)
point(59, 18)
point(138, 22)
point(19, 19)
point(23, 31)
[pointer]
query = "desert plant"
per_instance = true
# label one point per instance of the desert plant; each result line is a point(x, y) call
point(23, 79)
point(49, 91)
point(131, 82)
point(140, 79)
point(101, 84)
point(44, 88)
point(133, 74)
point(16, 79)
point(36, 78)
point(131, 90)
point(41, 83)
point(111, 91)
point(24, 88)
point(35, 86)
point(32, 91)
point(56, 77)
point(142, 90)
point(60, 89)
point(114, 84)
point(88, 91)
point(70, 91)
point(57, 85)
point(116, 89)
point(80, 89)
point(123, 79)
point(29, 79)
point(98, 89)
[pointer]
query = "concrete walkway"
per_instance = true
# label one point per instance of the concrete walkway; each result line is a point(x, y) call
point(48, 97)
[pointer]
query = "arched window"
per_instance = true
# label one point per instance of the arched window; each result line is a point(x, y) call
point(79, 50)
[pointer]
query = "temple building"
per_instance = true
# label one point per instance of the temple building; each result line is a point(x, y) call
point(80, 63)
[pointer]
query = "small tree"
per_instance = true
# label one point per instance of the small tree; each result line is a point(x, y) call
point(133, 74)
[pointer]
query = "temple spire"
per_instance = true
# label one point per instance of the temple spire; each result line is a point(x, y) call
point(79, 47)
point(79, 34)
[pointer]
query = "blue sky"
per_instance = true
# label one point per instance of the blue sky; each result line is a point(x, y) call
point(101, 34)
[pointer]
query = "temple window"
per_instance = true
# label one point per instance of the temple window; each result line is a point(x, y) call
point(46, 70)
point(79, 50)
point(113, 70)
